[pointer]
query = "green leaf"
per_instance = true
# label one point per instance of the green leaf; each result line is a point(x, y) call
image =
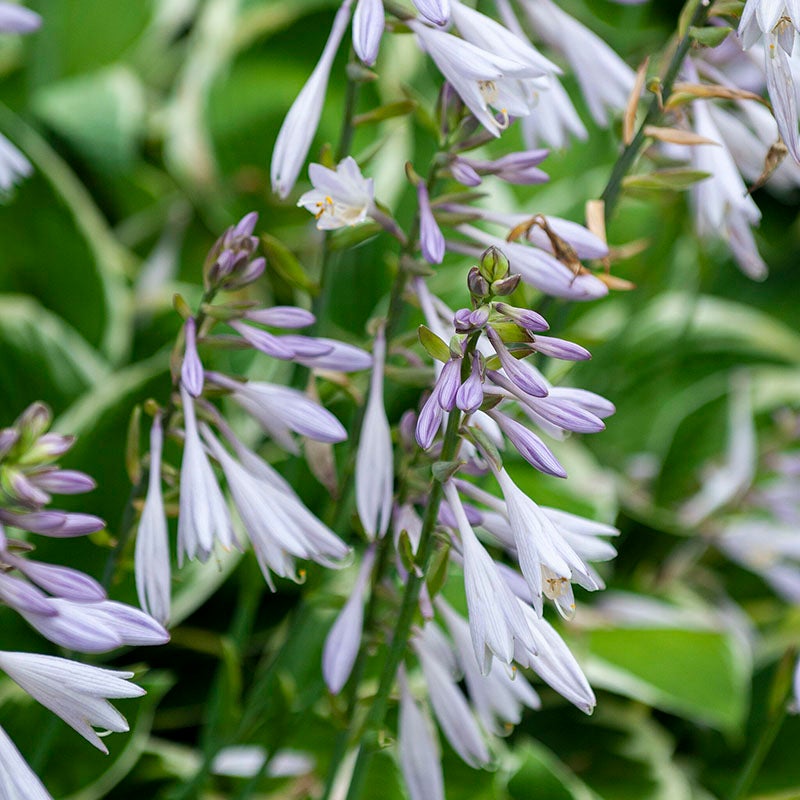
point(542, 776)
point(674, 180)
point(710, 37)
point(101, 114)
point(388, 111)
point(58, 365)
point(433, 345)
point(285, 263)
point(697, 674)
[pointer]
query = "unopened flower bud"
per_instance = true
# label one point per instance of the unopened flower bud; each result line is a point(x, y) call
point(478, 285)
point(494, 264)
point(506, 285)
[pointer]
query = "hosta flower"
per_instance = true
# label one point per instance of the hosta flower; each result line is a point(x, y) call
point(420, 758)
point(13, 166)
point(17, 780)
point(495, 618)
point(375, 456)
point(449, 704)
point(344, 639)
point(15, 18)
point(340, 198)
point(78, 693)
point(605, 79)
point(478, 76)
point(298, 129)
point(368, 24)
point(152, 563)
point(203, 516)
point(776, 21)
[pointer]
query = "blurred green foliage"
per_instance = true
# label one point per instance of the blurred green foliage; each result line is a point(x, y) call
point(150, 125)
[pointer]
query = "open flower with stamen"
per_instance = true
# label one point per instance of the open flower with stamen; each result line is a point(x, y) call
point(340, 198)
point(477, 75)
point(546, 559)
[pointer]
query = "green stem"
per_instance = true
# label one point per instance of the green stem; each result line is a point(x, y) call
point(630, 153)
point(350, 103)
point(776, 712)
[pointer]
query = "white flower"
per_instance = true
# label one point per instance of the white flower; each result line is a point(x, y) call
point(78, 693)
point(300, 125)
point(420, 757)
point(547, 561)
point(340, 198)
point(554, 663)
point(17, 779)
point(449, 704)
point(344, 638)
point(279, 526)
point(280, 410)
point(495, 618)
point(776, 21)
point(499, 696)
point(203, 514)
point(477, 76)
point(152, 544)
point(605, 79)
point(375, 458)
point(13, 165)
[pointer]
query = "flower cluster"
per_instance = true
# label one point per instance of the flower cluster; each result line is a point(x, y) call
point(66, 606)
point(278, 525)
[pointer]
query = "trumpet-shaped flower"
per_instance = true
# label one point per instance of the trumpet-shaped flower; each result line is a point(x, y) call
point(17, 780)
point(298, 129)
point(420, 757)
point(340, 198)
point(152, 543)
point(476, 75)
point(495, 618)
point(344, 638)
point(375, 457)
point(78, 693)
point(368, 24)
point(203, 516)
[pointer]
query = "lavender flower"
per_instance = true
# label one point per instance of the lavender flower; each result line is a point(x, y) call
point(13, 166)
point(368, 24)
point(15, 18)
point(437, 12)
point(431, 240)
point(298, 129)
point(152, 545)
point(375, 458)
point(17, 779)
point(605, 79)
point(495, 618)
point(203, 516)
point(78, 693)
point(344, 638)
point(340, 198)
point(420, 758)
point(192, 368)
point(476, 75)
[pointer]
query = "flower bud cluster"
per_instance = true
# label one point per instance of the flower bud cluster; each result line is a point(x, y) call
point(231, 262)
